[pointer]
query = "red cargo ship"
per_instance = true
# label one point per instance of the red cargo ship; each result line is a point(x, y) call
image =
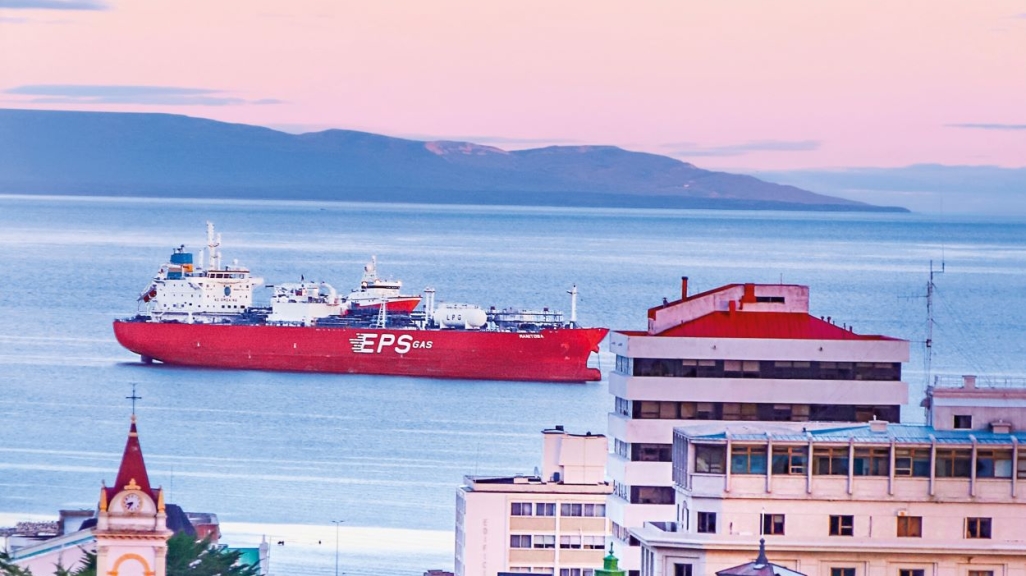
point(196, 316)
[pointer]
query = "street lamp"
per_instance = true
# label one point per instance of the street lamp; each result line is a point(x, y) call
point(337, 523)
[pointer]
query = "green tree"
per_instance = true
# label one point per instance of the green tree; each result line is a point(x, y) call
point(9, 568)
point(87, 566)
point(187, 556)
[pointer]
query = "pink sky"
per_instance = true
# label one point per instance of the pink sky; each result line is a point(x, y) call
point(754, 85)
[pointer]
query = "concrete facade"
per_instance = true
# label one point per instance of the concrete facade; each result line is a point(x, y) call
point(554, 523)
point(740, 352)
point(874, 499)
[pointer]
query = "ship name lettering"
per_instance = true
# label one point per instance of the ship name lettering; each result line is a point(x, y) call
point(374, 343)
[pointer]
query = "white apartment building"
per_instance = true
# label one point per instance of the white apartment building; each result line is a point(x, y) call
point(553, 523)
point(749, 352)
point(876, 499)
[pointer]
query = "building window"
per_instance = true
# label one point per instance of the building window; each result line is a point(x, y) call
point(576, 572)
point(623, 449)
point(773, 524)
point(910, 526)
point(520, 509)
point(872, 462)
point(685, 570)
point(594, 542)
point(977, 527)
point(706, 523)
point(590, 510)
point(623, 364)
point(830, 461)
point(622, 534)
point(651, 495)
point(842, 572)
point(993, 463)
point(789, 459)
point(545, 509)
point(710, 459)
point(963, 421)
point(520, 541)
point(570, 542)
point(623, 406)
point(912, 462)
point(953, 463)
point(733, 411)
point(980, 573)
point(544, 541)
point(911, 572)
point(651, 452)
point(748, 460)
point(842, 525)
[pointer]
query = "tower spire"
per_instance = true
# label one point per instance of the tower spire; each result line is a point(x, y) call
point(132, 471)
point(761, 560)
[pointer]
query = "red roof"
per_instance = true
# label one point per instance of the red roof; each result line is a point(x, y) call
point(784, 325)
point(132, 467)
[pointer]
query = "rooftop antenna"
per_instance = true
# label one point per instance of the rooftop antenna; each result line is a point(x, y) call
point(930, 288)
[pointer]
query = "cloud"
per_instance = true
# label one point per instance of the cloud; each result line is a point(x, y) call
point(692, 149)
point(120, 94)
point(54, 4)
point(988, 126)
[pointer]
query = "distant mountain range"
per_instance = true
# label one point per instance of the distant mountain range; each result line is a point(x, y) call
point(165, 155)
point(980, 190)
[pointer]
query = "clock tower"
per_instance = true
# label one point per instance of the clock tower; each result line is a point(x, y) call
point(131, 529)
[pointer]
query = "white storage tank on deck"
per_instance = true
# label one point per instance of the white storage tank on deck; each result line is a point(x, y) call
point(459, 316)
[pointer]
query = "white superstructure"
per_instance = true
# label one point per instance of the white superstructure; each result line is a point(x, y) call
point(304, 302)
point(185, 291)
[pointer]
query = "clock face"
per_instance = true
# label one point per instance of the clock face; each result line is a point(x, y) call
point(131, 503)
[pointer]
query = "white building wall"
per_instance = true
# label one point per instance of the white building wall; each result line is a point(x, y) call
point(758, 349)
point(485, 542)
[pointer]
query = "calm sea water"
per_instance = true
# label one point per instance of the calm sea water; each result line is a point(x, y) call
point(282, 455)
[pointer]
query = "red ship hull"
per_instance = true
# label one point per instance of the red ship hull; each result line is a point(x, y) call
point(550, 355)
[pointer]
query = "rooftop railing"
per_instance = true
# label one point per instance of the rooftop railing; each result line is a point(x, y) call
point(988, 382)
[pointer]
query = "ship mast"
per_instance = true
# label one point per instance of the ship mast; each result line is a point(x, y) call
point(212, 245)
point(573, 305)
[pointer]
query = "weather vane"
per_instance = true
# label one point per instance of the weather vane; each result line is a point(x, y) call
point(133, 398)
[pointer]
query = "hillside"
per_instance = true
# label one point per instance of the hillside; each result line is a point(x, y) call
point(99, 153)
